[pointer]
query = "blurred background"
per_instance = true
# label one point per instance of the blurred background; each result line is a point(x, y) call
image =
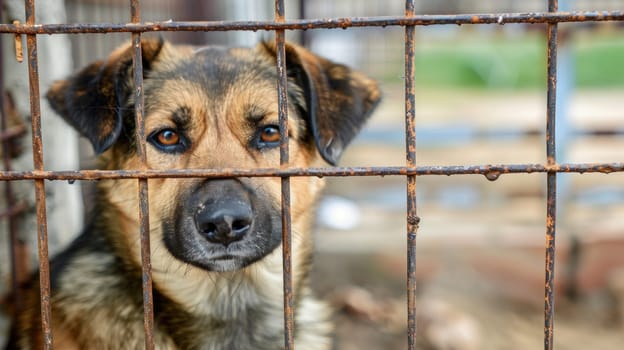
point(480, 99)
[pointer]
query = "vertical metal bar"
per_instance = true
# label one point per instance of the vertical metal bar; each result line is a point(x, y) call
point(40, 195)
point(551, 183)
point(303, 34)
point(280, 40)
point(410, 153)
point(146, 265)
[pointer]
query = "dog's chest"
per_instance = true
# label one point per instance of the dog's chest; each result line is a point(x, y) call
point(226, 316)
point(243, 335)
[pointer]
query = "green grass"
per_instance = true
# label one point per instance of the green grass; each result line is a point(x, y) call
point(512, 63)
point(600, 62)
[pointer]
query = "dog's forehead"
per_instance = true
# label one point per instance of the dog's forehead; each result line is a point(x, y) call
point(211, 81)
point(216, 67)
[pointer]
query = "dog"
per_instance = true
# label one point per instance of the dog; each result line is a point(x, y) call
point(215, 243)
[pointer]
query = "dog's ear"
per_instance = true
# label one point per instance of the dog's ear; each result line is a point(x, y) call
point(338, 100)
point(92, 100)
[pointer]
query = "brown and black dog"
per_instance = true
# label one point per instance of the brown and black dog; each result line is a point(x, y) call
point(217, 268)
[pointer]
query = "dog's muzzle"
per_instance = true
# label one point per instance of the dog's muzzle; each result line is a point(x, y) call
point(223, 225)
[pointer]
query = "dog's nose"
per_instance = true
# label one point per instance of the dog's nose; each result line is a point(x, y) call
point(225, 224)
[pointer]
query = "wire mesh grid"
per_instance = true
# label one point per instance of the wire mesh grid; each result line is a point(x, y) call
point(410, 20)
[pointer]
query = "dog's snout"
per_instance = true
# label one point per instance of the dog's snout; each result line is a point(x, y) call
point(225, 223)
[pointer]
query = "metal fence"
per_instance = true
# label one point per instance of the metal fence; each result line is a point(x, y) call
point(411, 170)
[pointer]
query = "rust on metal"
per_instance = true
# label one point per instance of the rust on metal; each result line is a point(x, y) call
point(19, 49)
point(410, 155)
point(551, 182)
point(148, 300)
point(549, 298)
point(40, 194)
point(282, 98)
point(144, 229)
point(327, 23)
point(93, 175)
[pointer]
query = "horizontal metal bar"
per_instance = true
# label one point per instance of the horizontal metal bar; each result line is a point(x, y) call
point(491, 171)
point(327, 23)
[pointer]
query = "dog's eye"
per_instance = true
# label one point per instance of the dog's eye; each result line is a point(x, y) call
point(168, 140)
point(269, 136)
point(168, 137)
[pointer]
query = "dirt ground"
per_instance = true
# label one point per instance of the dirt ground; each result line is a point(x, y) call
point(480, 259)
point(457, 307)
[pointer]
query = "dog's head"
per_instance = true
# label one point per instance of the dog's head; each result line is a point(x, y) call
point(215, 107)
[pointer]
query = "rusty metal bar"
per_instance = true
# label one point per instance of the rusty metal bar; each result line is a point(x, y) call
point(304, 38)
point(327, 23)
point(410, 155)
point(144, 230)
point(491, 172)
point(282, 95)
point(551, 182)
point(40, 195)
